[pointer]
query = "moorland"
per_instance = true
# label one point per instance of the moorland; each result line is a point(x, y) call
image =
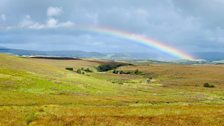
point(61, 92)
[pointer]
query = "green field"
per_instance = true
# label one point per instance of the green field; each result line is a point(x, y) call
point(39, 92)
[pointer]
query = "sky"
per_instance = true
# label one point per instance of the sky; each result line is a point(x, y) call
point(187, 25)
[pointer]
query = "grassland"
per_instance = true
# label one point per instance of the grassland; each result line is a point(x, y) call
point(39, 92)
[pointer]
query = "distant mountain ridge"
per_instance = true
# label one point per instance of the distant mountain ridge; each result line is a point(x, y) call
point(204, 56)
point(77, 54)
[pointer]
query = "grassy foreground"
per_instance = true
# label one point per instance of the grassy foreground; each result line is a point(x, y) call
point(39, 92)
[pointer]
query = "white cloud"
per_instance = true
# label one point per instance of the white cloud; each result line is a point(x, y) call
point(66, 24)
point(54, 11)
point(3, 17)
point(52, 23)
point(28, 22)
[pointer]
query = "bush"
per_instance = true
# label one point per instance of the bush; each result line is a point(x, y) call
point(88, 70)
point(136, 72)
point(69, 68)
point(128, 72)
point(122, 72)
point(207, 85)
point(79, 71)
point(83, 71)
point(148, 80)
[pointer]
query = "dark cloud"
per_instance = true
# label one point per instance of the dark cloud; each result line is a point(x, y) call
point(209, 12)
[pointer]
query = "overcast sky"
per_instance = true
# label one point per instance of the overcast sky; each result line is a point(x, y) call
point(188, 25)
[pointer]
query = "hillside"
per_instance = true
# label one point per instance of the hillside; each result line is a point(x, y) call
point(42, 92)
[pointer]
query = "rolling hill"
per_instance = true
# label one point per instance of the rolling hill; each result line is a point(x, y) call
point(42, 92)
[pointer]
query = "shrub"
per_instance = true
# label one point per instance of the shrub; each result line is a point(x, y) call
point(128, 72)
point(148, 80)
point(79, 71)
point(136, 71)
point(122, 72)
point(88, 70)
point(207, 85)
point(115, 71)
point(69, 68)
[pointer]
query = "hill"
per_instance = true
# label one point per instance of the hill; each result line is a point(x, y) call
point(39, 91)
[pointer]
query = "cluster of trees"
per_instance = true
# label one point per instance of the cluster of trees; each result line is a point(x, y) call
point(135, 72)
point(110, 66)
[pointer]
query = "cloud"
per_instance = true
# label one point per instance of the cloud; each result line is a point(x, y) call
point(3, 17)
point(29, 23)
point(188, 25)
point(209, 12)
point(52, 23)
point(67, 24)
point(54, 11)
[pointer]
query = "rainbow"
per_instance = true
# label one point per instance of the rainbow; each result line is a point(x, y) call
point(137, 38)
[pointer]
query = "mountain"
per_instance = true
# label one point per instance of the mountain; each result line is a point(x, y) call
point(81, 54)
point(78, 54)
point(204, 56)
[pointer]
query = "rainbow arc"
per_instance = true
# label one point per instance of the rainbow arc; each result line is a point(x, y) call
point(137, 38)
